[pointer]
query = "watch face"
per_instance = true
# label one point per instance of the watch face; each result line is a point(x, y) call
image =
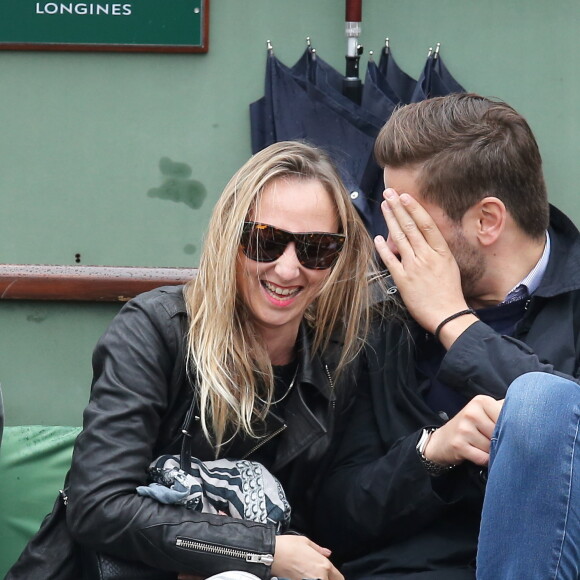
point(423, 440)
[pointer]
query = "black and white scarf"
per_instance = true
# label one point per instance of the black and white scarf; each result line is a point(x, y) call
point(240, 489)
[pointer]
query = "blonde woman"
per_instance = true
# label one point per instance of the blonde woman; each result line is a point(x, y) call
point(258, 348)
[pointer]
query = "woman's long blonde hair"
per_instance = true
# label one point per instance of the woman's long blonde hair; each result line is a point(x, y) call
point(232, 369)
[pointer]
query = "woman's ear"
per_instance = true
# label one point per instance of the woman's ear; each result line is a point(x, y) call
point(488, 217)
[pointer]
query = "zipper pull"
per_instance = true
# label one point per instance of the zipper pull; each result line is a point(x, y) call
point(266, 559)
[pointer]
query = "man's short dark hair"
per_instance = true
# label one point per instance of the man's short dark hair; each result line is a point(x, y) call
point(468, 147)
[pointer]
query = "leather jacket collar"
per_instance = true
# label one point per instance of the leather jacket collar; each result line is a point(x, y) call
point(308, 414)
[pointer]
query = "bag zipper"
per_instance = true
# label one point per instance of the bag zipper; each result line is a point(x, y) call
point(189, 544)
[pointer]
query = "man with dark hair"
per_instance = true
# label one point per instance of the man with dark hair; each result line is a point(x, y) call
point(490, 276)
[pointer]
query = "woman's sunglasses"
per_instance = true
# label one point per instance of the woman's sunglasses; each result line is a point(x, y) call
point(315, 250)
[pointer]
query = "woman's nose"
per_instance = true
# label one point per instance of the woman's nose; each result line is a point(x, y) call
point(288, 265)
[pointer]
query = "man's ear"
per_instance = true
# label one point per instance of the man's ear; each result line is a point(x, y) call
point(488, 216)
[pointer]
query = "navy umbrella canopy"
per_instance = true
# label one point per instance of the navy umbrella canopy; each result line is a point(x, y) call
point(397, 79)
point(317, 71)
point(311, 70)
point(378, 97)
point(435, 80)
point(305, 102)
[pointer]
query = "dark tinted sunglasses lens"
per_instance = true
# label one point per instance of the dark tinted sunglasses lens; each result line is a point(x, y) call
point(320, 252)
point(262, 243)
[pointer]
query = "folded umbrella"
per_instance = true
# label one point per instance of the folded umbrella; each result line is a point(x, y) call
point(397, 79)
point(435, 80)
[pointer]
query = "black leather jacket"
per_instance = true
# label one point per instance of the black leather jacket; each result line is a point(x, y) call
point(139, 399)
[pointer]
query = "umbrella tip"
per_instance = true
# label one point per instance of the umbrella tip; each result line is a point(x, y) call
point(308, 43)
point(269, 46)
point(386, 48)
point(437, 47)
point(430, 51)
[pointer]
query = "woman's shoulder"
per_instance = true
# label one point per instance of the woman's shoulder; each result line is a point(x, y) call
point(152, 322)
point(161, 312)
point(165, 301)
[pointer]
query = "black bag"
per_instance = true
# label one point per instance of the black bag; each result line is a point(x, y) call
point(99, 566)
point(51, 554)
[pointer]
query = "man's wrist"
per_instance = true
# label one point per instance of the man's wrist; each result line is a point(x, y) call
point(454, 316)
point(434, 469)
point(452, 330)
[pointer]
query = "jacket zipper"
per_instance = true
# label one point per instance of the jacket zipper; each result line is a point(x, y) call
point(189, 544)
point(332, 397)
point(264, 441)
point(284, 426)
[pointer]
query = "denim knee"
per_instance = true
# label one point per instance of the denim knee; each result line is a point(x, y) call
point(536, 404)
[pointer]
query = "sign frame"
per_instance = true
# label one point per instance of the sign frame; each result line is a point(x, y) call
point(194, 47)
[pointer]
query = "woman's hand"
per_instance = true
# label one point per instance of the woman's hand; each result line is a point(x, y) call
point(297, 557)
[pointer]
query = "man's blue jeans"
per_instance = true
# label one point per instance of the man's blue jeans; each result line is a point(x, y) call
point(531, 514)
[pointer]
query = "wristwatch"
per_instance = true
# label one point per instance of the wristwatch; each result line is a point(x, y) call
point(432, 468)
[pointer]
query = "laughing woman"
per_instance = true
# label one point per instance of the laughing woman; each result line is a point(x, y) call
point(257, 351)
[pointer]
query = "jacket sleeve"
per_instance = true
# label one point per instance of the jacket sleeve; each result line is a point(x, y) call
point(377, 487)
point(376, 490)
point(483, 361)
point(133, 363)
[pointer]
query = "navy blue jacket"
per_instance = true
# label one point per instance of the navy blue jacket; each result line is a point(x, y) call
point(389, 518)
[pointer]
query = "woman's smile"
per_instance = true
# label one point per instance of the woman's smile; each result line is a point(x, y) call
point(280, 295)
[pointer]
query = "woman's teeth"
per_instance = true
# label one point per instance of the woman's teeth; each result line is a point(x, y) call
point(280, 292)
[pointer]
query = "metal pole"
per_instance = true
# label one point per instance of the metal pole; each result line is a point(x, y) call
point(352, 85)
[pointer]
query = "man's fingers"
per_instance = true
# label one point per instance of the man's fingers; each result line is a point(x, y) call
point(396, 233)
point(424, 224)
point(406, 227)
point(468, 435)
point(389, 259)
point(493, 409)
point(478, 457)
point(483, 412)
point(411, 228)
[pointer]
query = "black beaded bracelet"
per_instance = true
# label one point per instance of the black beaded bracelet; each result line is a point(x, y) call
point(450, 318)
point(432, 468)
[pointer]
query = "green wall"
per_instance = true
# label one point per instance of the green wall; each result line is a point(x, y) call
point(120, 157)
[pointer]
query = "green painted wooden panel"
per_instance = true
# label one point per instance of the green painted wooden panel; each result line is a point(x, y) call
point(45, 368)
